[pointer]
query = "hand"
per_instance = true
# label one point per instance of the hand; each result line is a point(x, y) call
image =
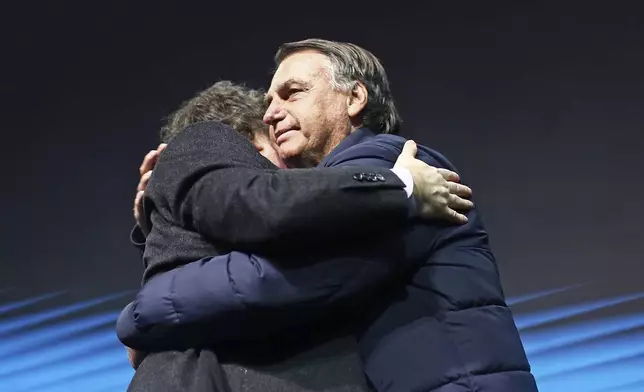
point(145, 171)
point(135, 357)
point(437, 190)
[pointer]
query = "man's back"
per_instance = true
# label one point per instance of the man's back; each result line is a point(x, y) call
point(404, 340)
point(172, 241)
point(313, 358)
point(446, 327)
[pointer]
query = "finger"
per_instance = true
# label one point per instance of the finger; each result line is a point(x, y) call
point(143, 183)
point(130, 357)
point(455, 216)
point(138, 358)
point(449, 175)
point(148, 161)
point(138, 206)
point(459, 189)
point(138, 199)
point(458, 203)
point(409, 148)
point(162, 147)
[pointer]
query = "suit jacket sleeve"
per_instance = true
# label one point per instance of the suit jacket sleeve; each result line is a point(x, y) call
point(225, 297)
point(137, 238)
point(214, 182)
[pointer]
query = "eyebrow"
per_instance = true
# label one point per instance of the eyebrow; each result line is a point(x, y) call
point(268, 98)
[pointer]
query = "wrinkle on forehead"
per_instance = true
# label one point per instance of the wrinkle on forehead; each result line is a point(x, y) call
point(304, 66)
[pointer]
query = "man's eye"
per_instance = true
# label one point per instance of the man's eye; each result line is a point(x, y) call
point(293, 91)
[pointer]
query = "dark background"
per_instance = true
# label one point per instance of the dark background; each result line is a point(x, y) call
point(540, 106)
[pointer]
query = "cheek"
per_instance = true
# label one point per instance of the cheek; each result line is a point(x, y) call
point(299, 140)
point(306, 116)
point(274, 157)
point(294, 146)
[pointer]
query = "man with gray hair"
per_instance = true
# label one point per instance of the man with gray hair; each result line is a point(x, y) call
point(443, 325)
point(323, 282)
point(447, 326)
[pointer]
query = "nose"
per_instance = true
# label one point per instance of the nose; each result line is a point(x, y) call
point(274, 113)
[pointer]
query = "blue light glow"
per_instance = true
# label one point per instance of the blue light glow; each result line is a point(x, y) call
point(73, 347)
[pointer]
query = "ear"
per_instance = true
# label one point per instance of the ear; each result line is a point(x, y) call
point(357, 100)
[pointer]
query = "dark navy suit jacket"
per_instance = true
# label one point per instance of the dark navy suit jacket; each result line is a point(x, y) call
point(439, 322)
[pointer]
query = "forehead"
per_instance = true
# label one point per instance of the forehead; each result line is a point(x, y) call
point(305, 66)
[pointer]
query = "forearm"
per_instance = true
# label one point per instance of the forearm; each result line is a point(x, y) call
point(226, 297)
point(159, 305)
point(254, 210)
point(215, 182)
point(137, 239)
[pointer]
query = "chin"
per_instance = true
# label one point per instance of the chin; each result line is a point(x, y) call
point(291, 149)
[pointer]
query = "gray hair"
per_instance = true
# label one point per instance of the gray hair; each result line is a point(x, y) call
point(349, 64)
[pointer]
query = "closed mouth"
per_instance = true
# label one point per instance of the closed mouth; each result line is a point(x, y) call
point(282, 132)
point(279, 133)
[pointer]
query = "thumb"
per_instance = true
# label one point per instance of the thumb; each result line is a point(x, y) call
point(409, 149)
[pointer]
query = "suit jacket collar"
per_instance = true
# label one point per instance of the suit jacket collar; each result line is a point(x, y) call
point(356, 137)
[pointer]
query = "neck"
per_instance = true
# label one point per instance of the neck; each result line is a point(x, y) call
point(313, 158)
point(303, 161)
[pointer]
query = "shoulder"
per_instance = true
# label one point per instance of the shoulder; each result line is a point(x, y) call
point(210, 144)
point(393, 142)
point(392, 146)
point(381, 147)
point(202, 149)
point(204, 135)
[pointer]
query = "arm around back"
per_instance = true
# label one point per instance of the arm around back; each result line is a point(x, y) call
point(214, 181)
